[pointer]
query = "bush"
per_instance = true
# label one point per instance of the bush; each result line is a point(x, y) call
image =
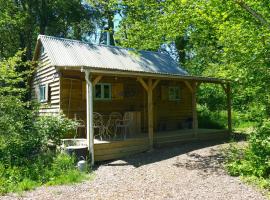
point(25, 160)
point(211, 119)
point(18, 138)
point(54, 128)
point(253, 161)
point(48, 169)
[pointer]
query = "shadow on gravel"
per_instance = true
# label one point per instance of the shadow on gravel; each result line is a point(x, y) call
point(205, 164)
point(168, 152)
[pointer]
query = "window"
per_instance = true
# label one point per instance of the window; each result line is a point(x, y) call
point(43, 93)
point(103, 91)
point(174, 93)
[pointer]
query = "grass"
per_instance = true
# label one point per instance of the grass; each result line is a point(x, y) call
point(71, 177)
point(59, 170)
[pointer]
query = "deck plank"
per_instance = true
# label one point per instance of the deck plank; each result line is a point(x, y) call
point(108, 150)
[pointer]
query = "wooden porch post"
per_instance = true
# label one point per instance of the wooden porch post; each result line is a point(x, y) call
point(89, 116)
point(194, 107)
point(149, 87)
point(227, 89)
point(193, 89)
point(229, 107)
point(150, 114)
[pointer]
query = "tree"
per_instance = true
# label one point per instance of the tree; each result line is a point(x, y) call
point(106, 11)
point(213, 38)
point(21, 22)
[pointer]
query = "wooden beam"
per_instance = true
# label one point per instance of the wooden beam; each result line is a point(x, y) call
point(89, 116)
point(189, 86)
point(224, 87)
point(143, 83)
point(155, 84)
point(229, 107)
point(198, 85)
point(150, 114)
point(96, 80)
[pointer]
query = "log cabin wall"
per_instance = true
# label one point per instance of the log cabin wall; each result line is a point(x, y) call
point(172, 114)
point(45, 74)
point(127, 95)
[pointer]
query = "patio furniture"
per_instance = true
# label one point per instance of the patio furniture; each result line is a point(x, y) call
point(112, 122)
point(124, 125)
point(98, 124)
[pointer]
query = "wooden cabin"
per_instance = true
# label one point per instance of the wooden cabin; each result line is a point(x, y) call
point(81, 79)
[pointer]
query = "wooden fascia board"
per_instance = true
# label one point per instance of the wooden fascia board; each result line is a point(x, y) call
point(119, 73)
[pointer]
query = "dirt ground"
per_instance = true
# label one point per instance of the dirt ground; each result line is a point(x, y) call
point(190, 171)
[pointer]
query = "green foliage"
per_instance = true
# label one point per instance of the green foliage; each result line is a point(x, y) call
point(211, 119)
point(47, 169)
point(14, 76)
point(254, 159)
point(54, 128)
point(21, 22)
point(25, 159)
point(212, 38)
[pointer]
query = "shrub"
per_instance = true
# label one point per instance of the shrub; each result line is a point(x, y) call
point(54, 128)
point(211, 119)
point(253, 160)
point(47, 169)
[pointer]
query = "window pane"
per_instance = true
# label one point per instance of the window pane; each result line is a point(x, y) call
point(177, 93)
point(98, 91)
point(174, 93)
point(106, 91)
point(171, 93)
point(42, 93)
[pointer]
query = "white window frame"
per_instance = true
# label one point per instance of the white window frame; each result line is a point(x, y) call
point(102, 91)
point(174, 90)
point(43, 89)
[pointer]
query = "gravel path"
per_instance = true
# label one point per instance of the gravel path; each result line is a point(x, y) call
point(186, 172)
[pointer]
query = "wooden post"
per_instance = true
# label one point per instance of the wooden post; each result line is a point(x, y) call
point(229, 107)
point(194, 108)
point(150, 114)
point(89, 116)
point(149, 87)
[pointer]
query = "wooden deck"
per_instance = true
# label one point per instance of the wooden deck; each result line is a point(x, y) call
point(180, 136)
point(108, 150)
point(116, 149)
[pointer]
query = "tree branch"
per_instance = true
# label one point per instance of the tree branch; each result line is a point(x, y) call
point(251, 11)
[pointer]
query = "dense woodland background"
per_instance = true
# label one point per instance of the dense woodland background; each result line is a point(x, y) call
point(219, 38)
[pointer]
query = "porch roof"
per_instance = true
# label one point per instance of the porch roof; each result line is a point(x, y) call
point(108, 59)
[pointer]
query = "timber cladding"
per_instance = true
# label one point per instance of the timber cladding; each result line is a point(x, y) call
point(127, 94)
point(46, 75)
point(118, 149)
point(67, 93)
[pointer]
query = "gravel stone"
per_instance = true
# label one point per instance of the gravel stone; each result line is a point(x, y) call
point(186, 172)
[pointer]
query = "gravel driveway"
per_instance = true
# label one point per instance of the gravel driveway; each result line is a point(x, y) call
point(191, 171)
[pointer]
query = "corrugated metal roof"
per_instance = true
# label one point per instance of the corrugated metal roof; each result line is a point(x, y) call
point(72, 53)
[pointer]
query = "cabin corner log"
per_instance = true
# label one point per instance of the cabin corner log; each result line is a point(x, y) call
point(89, 116)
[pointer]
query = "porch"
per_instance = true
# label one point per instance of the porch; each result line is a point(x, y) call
point(113, 149)
point(161, 111)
